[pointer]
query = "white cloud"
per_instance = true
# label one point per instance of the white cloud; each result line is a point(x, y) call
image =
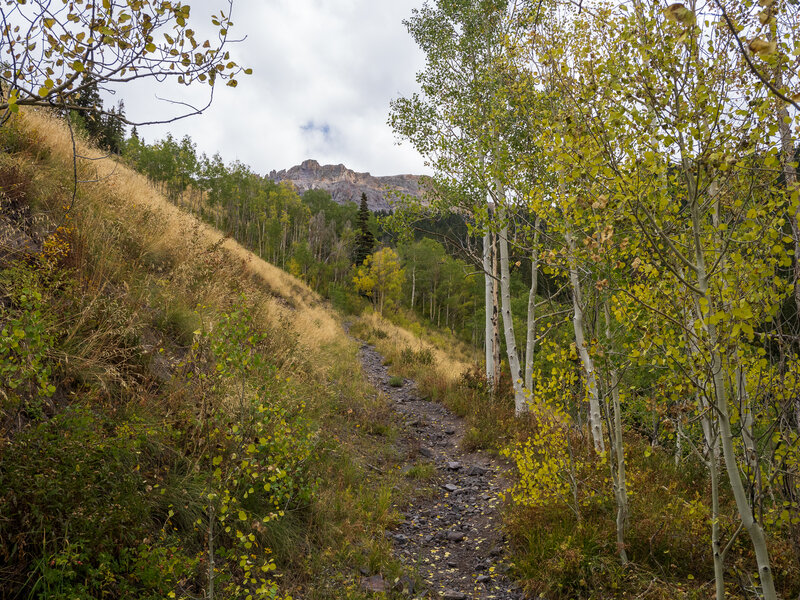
point(324, 72)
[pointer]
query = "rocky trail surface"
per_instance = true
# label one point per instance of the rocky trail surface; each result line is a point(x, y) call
point(450, 533)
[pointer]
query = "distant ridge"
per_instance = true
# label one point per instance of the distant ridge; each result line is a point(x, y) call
point(345, 185)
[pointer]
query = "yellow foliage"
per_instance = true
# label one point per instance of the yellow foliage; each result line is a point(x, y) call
point(545, 462)
point(380, 277)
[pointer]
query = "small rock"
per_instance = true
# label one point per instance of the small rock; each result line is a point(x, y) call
point(455, 536)
point(426, 452)
point(495, 551)
point(483, 565)
point(454, 465)
point(452, 564)
point(373, 584)
point(483, 579)
point(454, 595)
point(364, 571)
point(450, 487)
point(400, 538)
point(449, 430)
point(404, 584)
point(476, 470)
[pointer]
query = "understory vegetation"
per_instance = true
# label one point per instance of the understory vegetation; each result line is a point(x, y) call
point(603, 279)
point(177, 419)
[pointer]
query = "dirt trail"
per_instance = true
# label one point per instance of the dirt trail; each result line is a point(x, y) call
point(451, 536)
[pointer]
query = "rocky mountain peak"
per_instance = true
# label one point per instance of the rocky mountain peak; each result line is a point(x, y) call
point(346, 185)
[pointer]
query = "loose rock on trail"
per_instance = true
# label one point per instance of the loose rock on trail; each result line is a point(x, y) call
point(451, 536)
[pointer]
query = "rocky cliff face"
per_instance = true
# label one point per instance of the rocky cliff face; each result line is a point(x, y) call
point(345, 185)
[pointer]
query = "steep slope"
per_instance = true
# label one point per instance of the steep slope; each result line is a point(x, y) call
point(346, 185)
point(174, 412)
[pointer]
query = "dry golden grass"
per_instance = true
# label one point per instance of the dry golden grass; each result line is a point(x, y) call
point(450, 364)
point(124, 191)
point(286, 300)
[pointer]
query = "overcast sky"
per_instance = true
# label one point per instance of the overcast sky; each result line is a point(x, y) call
point(324, 72)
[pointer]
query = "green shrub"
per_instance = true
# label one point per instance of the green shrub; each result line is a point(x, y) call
point(80, 492)
point(346, 300)
point(423, 356)
point(421, 471)
point(180, 323)
point(27, 340)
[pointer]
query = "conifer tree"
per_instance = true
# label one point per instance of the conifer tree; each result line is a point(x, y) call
point(365, 240)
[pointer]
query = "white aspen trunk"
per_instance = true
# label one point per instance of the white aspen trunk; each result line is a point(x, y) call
point(710, 457)
point(620, 478)
point(721, 401)
point(595, 419)
point(712, 464)
point(520, 401)
point(488, 299)
point(496, 311)
point(530, 345)
point(746, 414)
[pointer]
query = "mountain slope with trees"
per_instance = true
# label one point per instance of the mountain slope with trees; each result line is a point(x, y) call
point(165, 430)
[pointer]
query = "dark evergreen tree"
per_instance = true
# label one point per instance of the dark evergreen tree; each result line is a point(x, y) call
point(365, 239)
point(105, 128)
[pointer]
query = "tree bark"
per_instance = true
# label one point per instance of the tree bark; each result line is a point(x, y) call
point(530, 345)
point(721, 402)
point(595, 419)
point(496, 345)
point(620, 477)
point(520, 401)
point(488, 298)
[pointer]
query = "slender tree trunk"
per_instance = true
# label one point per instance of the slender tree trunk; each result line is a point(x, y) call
point(712, 464)
point(496, 345)
point(530, 345)
point(520, 401)
point(595, 419)
point(620, 478)
point(721, 402)
point(211, 566)
point(413, 284)
point(488, 298)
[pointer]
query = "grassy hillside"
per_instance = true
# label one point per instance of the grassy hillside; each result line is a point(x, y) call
point(163, 392)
